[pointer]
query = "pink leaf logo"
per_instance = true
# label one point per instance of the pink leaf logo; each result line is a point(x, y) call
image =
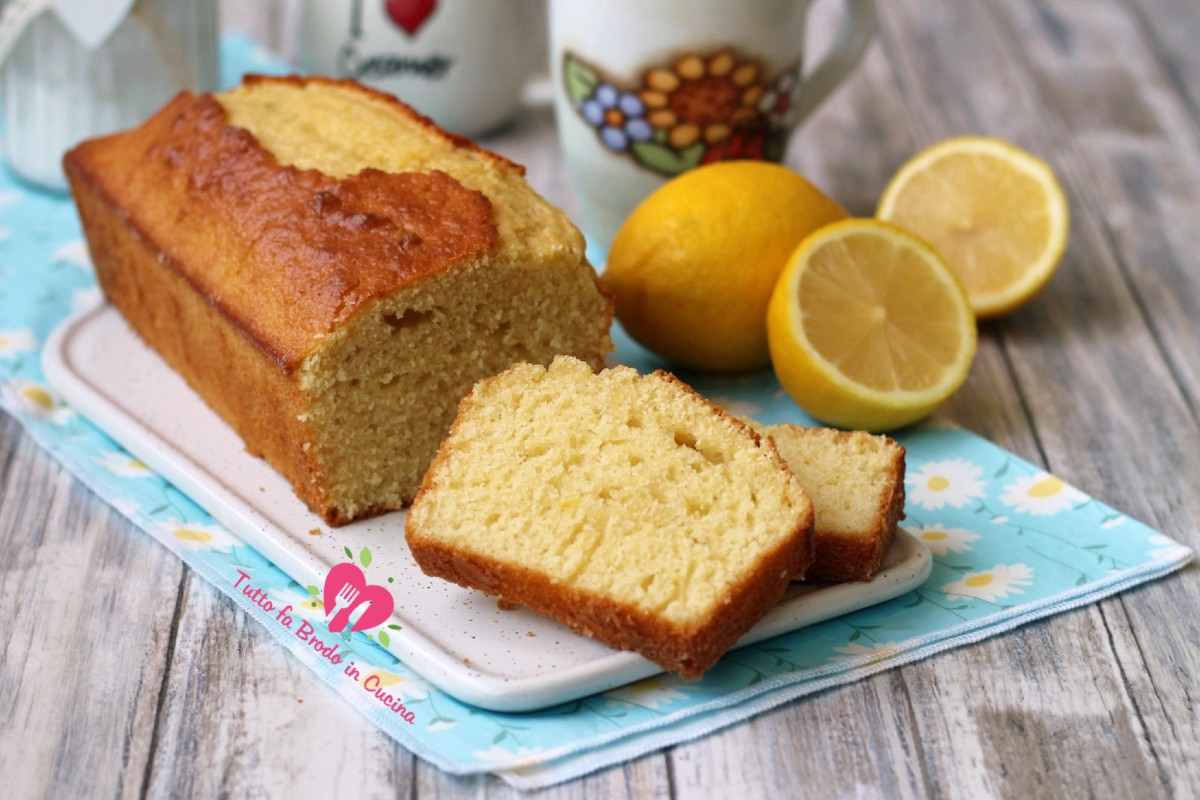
point(346, 589)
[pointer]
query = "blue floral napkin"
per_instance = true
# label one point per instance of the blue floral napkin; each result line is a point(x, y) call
point(1010, 543)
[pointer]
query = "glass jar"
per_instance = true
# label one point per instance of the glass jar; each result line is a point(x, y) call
point(58, 93)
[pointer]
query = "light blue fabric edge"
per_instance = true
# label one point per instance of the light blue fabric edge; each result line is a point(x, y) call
point(619, 746)
point(654, 736)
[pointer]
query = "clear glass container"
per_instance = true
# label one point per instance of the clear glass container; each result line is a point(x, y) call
point(57, 93)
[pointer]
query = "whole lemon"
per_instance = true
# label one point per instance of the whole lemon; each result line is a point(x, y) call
point(693, 267)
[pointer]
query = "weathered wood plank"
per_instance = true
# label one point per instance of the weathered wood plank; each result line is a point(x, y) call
point(857, 741)
point(1039, 716)
point(646, 777)
point(1139, 157)
point(244, 718)
point(853, 142)
point(1087, 329)
point(1142, 180)
point(1108, 411)
point(88, 604)
point(1172, 29)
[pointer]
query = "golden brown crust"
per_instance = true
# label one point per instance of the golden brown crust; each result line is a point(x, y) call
point(690, 652)
point(374, 95)
point(235, 267)
point(258, 400)
point(286, 254)
point(610, 311)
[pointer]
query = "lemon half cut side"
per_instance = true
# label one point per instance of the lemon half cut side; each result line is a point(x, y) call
point(995, 213)
point(868, 328)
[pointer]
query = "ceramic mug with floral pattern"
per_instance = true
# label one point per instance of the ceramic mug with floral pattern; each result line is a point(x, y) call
point(646, 89)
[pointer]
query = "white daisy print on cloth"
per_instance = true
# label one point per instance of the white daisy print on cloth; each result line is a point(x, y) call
point(953, 482)
point(521, 757)
point(943, 541)
point(305, 605)
point(1041, 495)
point(16, 342)
point(992, 584)
point(126, 507)
point(85, 298)
point(873, 654)
point(197, 536)
point(651, 693)
point(405, 687)
point(123, 465)
point(36, 401)
point(75, 253)
point(1166, 548)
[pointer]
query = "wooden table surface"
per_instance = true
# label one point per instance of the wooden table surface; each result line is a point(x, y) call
point(151, 682)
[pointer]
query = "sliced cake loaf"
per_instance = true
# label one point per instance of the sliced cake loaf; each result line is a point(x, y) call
point(331, 273)
point(856, 482)
point(627, 507)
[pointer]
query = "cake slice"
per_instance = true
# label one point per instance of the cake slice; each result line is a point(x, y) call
point(331, 273)
point(626, 506)
point(856, 483)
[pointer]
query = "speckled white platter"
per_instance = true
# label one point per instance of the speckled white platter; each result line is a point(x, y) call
point(456, 638)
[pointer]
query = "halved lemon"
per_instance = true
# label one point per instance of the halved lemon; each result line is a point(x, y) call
point(868, 328)
point(995, 213)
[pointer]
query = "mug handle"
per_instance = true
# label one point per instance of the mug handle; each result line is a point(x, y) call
point(854, 33)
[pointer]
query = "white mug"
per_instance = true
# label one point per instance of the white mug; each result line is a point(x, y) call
point(645, 89)
point(464, 63)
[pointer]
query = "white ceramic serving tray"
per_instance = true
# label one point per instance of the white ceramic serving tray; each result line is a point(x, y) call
point(457, 639)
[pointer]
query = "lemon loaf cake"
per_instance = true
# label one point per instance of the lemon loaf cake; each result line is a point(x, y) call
point(626, 506)
point(856, 483)
point(332, 273)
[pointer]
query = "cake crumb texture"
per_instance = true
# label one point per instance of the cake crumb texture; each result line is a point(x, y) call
point(856, 482)
point(627, 506)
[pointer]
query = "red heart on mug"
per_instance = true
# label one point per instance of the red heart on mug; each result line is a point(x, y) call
point(410, 14)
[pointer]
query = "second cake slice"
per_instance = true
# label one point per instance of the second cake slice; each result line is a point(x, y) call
point(856, 483)
point(626, 506)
